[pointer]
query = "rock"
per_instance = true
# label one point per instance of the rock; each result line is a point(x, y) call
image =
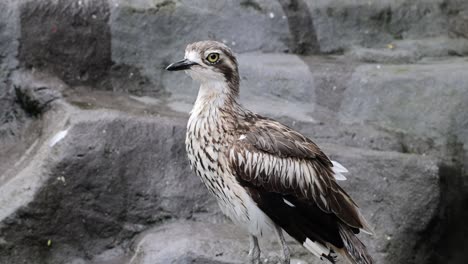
point(114, 173)
point(92, 127)
point(303, 38)
point(426, 100)
point(388, 55)
point(191, 242)
point(458, 21)
point(9, 33)
point(34, 96)
point(460, 25)
point(166, 27)
point(378, 188)
point(402, 97)
point(82, 197)
point(410, 51)
point(74, 40)
point(340, 25)
point(382, 183)
point(201, 242)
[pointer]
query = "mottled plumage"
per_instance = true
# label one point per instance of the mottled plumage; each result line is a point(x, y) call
point(265, 176)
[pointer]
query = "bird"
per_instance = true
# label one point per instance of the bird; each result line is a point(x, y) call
point(266, 177)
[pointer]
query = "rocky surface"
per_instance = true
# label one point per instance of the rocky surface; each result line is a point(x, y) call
point(92, 160)
point(113, 166)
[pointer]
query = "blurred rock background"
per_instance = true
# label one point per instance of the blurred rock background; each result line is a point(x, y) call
point(92, 161)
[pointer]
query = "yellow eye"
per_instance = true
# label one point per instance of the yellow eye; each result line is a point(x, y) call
point(213, 57)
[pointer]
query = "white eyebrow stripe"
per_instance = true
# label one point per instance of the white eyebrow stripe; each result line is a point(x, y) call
point(207, 52)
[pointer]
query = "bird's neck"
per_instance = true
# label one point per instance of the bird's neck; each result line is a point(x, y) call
point(213, 98)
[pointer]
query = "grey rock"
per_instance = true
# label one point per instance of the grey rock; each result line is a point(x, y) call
point(203, 242)
point(411, 51)
point(382, 183)
point(427, 100)
point(77, 50)
point(191, 242)
point(389, 55)
point(340, 25)
point(459, 25)
point(166, 27)
point(83, 200)
point(118, 172)
point(397, 96)
point(9, 34)
point(33, 94)
point(88, 169)
point(397, 224)
point(68, 38)
point(303, 38)
point(435, 47)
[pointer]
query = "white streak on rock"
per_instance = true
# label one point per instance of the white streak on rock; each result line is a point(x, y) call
point(59, 136)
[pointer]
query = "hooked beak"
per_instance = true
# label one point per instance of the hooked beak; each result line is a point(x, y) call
point(181, 65)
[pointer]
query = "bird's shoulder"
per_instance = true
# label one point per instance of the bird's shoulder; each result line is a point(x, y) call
point(260, 133)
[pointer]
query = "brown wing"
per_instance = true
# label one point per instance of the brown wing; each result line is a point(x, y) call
point(280, 160)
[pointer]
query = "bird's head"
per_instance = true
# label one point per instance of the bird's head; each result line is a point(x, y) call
point(209, 62)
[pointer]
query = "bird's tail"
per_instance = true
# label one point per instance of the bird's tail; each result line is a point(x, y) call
point(354, 250)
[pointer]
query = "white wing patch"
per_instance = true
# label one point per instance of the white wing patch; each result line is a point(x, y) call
point(316, 248)
point(338, 170)
point(242, 137)
point(288, 203)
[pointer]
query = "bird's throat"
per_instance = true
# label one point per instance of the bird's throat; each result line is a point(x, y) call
point(213, 97)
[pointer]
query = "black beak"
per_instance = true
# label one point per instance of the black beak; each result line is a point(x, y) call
point(181, 65)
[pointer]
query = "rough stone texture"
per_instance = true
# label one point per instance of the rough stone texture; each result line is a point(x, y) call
point(396, 229)
point(459, 25)
point(117, 188)
point(9, 32)
point(402, 98)
point(167, 26)
point(191, 242)
point(342, 24)
point(303, 38)
point(201, 242)
point(394, 178)
point(69, 38)
point(116, 173)
point(410, 51)
point(82, 199)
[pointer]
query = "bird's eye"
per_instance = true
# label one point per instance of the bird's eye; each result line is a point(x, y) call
point(212, 57)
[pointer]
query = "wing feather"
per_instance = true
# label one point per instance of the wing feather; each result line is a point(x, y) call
point(281, 160)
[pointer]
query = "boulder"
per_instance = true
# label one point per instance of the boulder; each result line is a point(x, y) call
point(412, 98)
point(92, 160)
point(379, 189)
point(166, 27)
point(340, 25)
point(105, 168)
point(76, 190)
point(203, 242)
